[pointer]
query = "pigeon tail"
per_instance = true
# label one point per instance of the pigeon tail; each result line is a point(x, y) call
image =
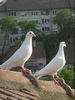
point(36, 74)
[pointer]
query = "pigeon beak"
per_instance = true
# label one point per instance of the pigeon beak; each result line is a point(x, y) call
point(34, 35)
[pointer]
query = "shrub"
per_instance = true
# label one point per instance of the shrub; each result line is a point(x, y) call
point(68, 75)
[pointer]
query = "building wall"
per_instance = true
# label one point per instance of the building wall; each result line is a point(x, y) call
point(3, 14)
point(39, 62)
point(13, 38)
point(42, 17)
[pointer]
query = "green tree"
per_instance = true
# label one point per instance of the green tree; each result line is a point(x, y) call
point(69, 27)
point(68, 75)
point(61, 18)
point(27, 25)
point(7, 26)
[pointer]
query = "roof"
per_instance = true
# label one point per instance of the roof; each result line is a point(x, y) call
point(38, 4)
point(27, 4)
point(4, 7)
point(59, 4)
point(72, 2)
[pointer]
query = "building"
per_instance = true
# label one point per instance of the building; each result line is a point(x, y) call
point(42, 11)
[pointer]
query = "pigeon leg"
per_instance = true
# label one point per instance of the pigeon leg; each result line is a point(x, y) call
point(26, 70)
point(57, 76)
point(55, 81)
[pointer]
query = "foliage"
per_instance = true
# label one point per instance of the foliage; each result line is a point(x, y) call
point(7, 24)
point(51, 41)
point(65, 21)
point(69, 27)
point(62, 17)
point(17, 42)
point(49, 78)
point(27, 25)
point(68, 75)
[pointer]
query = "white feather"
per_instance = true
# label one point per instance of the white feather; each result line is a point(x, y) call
point(21, 55)
point(55, 65)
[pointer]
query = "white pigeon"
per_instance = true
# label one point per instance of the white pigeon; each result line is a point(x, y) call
point(21, 55)
point(2, 2)
point(56, 64)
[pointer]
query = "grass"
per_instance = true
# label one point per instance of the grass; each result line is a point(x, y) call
point(11, 85)
point(42, 94)
point(16, 86)
point(46, 95)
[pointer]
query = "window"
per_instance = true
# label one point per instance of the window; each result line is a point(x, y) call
point(12, 13)
point(45, 29)
point(54, 12)
point(40, 64)
point(55, 28)
point(16, 38)
point(45, 12)
point(45, 21)
point(23, 14)
point(34, 13)
point(11, 40)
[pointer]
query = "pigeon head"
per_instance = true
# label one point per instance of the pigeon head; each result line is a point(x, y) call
point(31, 34)
point(63, 44)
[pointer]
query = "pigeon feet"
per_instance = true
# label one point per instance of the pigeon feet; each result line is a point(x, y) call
point(56, 81)
point(25, 70)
